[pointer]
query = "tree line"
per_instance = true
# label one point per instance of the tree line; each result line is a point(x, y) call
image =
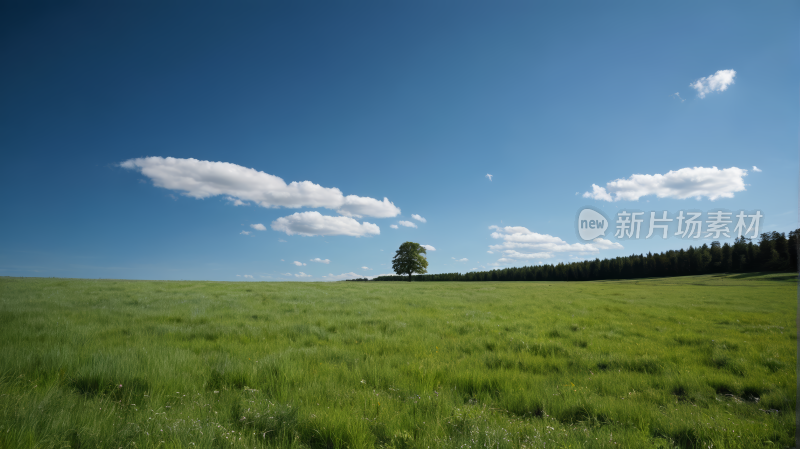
point(773, 252)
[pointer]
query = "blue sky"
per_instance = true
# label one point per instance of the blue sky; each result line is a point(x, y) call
point(413, 101)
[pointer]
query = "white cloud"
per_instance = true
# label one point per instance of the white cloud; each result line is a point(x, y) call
point(513, 254)
point(314, 223)
point(245, 233)
point(237, 202)
point(299, 264)
point(517, 237)
point(350, 275)
point(717, 82)
point(756, 169)
point(460, 260)
point(428, 247)
point(286, 274)
point(204, 179)
point(393, 227)
point(419, 218)
point(598, 193)
point(489, 176)
point(357, 206)
point(258, 227)
point(602, 243)
point(366, 268)
point(678, 96)
point(696, 182)
point(317, 259)
point(302, 275)
point(282, 240)
point(248, 276)
point(407, 224)
point(490, 252)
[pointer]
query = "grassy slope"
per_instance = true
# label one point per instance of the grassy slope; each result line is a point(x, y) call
point(680, 361)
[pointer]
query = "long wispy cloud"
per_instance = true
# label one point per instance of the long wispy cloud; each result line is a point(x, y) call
point(318, 260)
point(408, 224)
point(203, 179)
point(696, 182)
point(313, 223)
point(718, 82)
point(339, 277)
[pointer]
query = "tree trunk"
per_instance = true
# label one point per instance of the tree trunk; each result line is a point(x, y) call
point(409, 277)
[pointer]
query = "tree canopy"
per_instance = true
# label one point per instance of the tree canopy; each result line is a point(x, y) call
point(409, 259)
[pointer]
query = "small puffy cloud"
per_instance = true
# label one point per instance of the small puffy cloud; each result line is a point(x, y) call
point(314, 223)
point(237, 202)
point(317, 259)
point(393, 226)
point(717, 82)
point(517, 238)
point(302, 275)
point(428, 247)
point(366, 268)
point(598, 193)
point(407, 224)
point(286, 274)
point(696, 182)
point(490, 252)
point(419, 218)
point(204, 179)
point(299, 264)
point(258, 227)
point(245, 233)
point(756, 169)
point(248, 276)
point(282, 240)
point(489, 176)
point(357, 206)
point(460, 260)
point(678, 96)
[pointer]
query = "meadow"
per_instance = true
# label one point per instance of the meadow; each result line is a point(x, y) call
point(699, 361)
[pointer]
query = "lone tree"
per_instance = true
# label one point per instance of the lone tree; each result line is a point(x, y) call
point(409, 259)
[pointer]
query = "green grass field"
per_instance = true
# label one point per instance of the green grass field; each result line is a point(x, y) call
point(677, 362)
